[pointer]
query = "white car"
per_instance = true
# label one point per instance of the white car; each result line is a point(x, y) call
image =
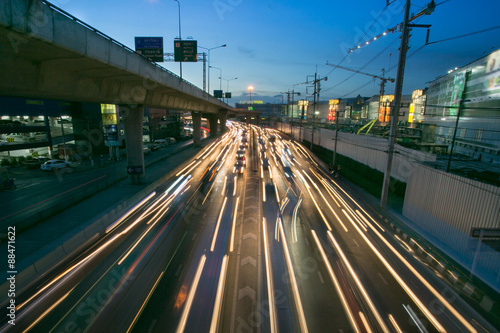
point(52, 165)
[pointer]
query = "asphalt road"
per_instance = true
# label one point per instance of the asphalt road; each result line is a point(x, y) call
point(219, 250)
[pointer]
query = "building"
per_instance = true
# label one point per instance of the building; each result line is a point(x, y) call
point(468, 98)
point(56, 129)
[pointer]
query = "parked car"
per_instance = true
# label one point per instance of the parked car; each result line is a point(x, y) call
point(170, 141)
point(52, 165)
point(146, 150)
point(161, 143)
point(35, 163)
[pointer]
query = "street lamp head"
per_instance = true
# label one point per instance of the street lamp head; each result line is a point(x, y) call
point(223, 45)
point(250, 88)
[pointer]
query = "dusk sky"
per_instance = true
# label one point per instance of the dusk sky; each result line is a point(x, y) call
point(274, 45)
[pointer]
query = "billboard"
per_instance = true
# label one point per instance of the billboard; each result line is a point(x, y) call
point(492, 77)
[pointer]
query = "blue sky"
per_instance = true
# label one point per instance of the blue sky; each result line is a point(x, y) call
point(274, 45)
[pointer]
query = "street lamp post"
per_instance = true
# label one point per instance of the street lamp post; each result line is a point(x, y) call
point(180, 36)
point(210, 49)
point(227, 82)
point(220, 75)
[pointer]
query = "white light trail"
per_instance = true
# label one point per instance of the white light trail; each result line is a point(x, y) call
point(220, 293)
point(270, 287)
point(130, 212)
point(231, 246)
point(293, 280)
point(263, 191)
point(189, 301)
point(187, 167)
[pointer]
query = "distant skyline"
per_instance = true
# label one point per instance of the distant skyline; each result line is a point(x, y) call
point(274, 45)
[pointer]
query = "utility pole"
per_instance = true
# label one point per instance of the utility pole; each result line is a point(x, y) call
point(288, 93)
point(397, 103)
point(460, 107)
point(336, 135)
point(316, 86)
point(204, 71)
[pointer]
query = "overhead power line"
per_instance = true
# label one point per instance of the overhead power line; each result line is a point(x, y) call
point(466, 35)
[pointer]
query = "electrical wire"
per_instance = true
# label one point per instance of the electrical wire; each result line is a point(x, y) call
point(466, 35)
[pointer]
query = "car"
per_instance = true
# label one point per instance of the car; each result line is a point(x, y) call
point(161, 143)
point(241, 158)
point(146, 150)
point(240, 152)
point(170, 140)
point(265, 164)
point(244, 140)
point(263, 154)
point(239, 167)
point(52, 165)
point(35, 163)
point(243, 147)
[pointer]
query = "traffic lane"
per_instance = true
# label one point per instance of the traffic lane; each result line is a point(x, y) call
point(202, 314)
point(164, 310)
point(381, 302)
point(431, 300)
point(347, 294)
point(69, 274)
point(116, 243)
point(283, 300)
point(323, 306)
point(184, 288)
point(322, 225)
point(95, 285)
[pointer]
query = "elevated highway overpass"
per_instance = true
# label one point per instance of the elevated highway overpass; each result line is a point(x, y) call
point(48, 53)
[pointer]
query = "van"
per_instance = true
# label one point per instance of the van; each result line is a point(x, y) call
point(161, 142)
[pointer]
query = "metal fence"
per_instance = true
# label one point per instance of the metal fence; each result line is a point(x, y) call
point(448, 208)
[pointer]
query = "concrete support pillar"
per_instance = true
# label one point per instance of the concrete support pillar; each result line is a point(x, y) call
point(196, 128)
point(212, 119)
point(222, 121)
point(132, 124)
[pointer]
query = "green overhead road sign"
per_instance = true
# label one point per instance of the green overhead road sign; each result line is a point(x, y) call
point(185, 50)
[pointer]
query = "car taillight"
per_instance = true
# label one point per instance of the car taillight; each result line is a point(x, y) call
point(243, 158)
